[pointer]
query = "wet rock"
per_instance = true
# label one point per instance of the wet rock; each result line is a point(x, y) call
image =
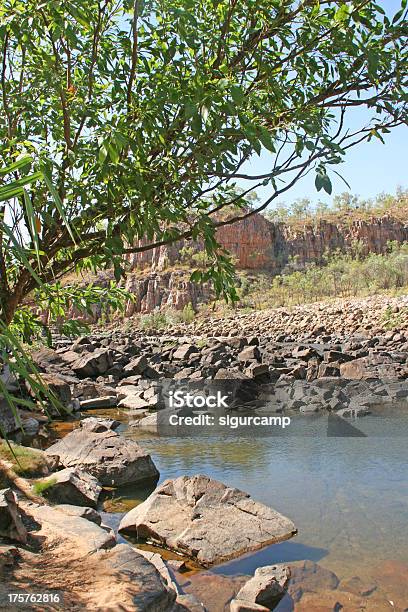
point(80, 511)
point(266, 588)
point(73, 486)
point(357, 586)
point(309, 576)
point(206, 520)
point(111, 458)
point(11, 525)
point(334, 601)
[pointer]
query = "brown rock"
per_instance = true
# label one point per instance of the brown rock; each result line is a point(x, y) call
point(206, 520)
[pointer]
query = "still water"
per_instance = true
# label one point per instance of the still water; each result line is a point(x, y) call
point(348, 496)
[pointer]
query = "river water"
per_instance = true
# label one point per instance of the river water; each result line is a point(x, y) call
point(348, 496)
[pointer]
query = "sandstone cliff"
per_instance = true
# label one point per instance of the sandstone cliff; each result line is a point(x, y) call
point(258, 244)
point(157, 280)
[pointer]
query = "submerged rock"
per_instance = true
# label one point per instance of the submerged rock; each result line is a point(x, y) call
point(206, 520)
point(111, 458)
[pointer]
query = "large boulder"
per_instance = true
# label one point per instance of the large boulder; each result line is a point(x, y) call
point(206, 520)
point(11, 525)
point(73, 486)
point(93, 364)
point(111, 458)
point(266, 588)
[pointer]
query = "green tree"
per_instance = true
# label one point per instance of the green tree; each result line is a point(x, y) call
point(139, 116)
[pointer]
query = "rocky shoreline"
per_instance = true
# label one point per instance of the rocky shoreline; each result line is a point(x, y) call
point(346, 358)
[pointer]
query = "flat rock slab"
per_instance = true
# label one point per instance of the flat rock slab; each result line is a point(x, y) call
point(83, 535)
point(82, 511)
point(111, 458)
point(206, 520)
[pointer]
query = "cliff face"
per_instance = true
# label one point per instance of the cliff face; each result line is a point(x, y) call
point(256, 244)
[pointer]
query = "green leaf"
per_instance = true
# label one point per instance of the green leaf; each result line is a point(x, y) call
point(237, 94)
point(22, 162)
point(57, 200)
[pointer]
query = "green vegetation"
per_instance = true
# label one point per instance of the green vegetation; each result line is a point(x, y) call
point(344, 208)
point(162, 319)
point(340, 276)
point(24, 461)
point(127, 121)
point(124, 125)
point(41, 487)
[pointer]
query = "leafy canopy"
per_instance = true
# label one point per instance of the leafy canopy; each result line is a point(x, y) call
point(125, 124)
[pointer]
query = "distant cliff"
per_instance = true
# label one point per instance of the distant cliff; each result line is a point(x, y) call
point(256, 244)
point(159, 279)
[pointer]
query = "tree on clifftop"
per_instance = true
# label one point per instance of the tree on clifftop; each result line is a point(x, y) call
point(130, 119)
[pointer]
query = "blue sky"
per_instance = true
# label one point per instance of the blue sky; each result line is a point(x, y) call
point(369, 168)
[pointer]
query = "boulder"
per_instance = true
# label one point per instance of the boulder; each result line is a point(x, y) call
point(249, 353)
point(185, 351)
point(144, 587)
point(136, 366)
point(59, 387)
point(206, 520)
point(11, 525)
point(111, 458)
point(73, 486)
point(93, 364)
point(99, 424)
point(133, 402)
point(80, 511)
point(266, 588)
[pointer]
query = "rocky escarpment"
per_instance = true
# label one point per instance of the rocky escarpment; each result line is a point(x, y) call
point(255, 244)
point(259, 244)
